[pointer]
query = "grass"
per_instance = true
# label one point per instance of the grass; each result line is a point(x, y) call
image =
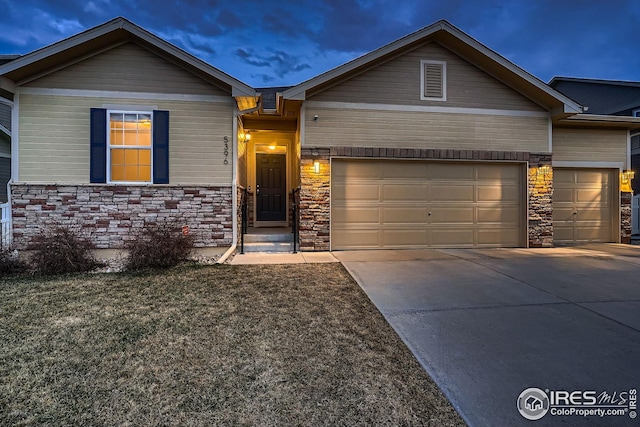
point(202, 346)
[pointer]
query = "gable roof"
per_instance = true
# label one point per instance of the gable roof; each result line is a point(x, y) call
point(103, 37)
point(612, 97)
point(461, 44)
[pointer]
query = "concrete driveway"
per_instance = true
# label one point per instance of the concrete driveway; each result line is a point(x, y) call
point(488, 324)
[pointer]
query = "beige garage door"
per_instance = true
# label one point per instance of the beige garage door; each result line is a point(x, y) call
point(415, 204)
point(583, 207)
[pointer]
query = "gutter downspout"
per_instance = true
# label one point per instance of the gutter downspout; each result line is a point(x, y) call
point(234, 188)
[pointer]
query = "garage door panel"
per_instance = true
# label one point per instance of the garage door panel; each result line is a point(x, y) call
point(356, 238)
point(498, 236)
point(448, 215)
point(583, 207)
point(356, 192)
point(505, 215)
point(591, 195)
point(600, 215)
point(398, 238)
point(404, 215)
point(447, 171)
point(351, 215)
point(447, 237)
point(427, 204)
point(442, 192)
point(356, 170)
point(498, 173)
point(592, 233)
point(408, 192)
point(507, 193)
point(411, 170)
point(594, 177)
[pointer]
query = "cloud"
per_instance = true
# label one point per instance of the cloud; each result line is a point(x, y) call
point(279, 62)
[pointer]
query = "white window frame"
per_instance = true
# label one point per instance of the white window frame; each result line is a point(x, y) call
point(423, 62)
point(110, 147)
point(635, 113)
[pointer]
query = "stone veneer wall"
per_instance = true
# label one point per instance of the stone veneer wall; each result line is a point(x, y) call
point(315, 188)
point(540, 221)
point(112, 214)
point(315, 193)
point(625, 217)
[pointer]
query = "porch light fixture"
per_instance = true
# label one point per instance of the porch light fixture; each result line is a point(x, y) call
point(543, 174)
point(316, 166)
point(247, 137)
point(625, 181)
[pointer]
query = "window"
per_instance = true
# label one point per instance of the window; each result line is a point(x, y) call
point(636, 113)
point(129, 153)
point(433, 80)
point(129, 146)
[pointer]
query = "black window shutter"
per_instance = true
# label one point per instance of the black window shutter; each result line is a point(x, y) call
point(98, 153)
point(160, 147)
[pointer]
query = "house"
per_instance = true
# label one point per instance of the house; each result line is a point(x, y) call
point(607, 97)
point(5, 138)
point(433, 140)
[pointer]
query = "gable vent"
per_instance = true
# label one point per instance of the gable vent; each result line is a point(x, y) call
point(433, 80)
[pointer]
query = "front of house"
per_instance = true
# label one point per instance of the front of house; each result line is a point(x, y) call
point(430, 141)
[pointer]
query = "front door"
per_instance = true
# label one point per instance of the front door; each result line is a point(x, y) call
point(271, 193)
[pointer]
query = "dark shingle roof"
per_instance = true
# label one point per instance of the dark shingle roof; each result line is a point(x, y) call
point(269, 96)
point(7, 58)
point(601, 96)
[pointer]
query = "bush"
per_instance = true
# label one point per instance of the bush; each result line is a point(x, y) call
point(10, 263)
point(158, 245)
point(60, 249)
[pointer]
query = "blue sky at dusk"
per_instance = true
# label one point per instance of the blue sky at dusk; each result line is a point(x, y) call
point(284, 42)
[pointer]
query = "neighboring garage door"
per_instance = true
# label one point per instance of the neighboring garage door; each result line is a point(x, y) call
point(415, 204)
point(583, 205)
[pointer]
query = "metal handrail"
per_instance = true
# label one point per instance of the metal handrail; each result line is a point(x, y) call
point(295, 217)
point(244, 209)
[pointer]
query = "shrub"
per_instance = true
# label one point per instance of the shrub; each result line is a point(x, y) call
point(158, 245)
point(60, 249)
point(10, 263)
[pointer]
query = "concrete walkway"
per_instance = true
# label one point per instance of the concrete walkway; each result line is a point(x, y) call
point(282, 258)
point(488, 324)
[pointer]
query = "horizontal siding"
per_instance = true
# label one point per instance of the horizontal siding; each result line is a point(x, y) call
point(589, 145)
point(398, 82)
point(54, 139)
point(371, 128)
point(127, 67)
point(5, 116)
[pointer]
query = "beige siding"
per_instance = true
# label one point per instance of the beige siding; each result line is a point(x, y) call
point(127, 68)
point(54, 139)
point(589, 145)
point(398, 82)
point(371, 128)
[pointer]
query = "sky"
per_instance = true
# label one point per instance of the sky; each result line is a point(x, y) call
point(285, 42)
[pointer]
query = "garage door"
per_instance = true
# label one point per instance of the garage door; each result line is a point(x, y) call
point(583, 207)
point(415, 204)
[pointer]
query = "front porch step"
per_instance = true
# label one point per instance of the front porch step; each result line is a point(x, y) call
point(273, 237)
point(268, 247)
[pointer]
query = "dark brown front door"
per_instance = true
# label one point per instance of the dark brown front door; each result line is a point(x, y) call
point(271, 187)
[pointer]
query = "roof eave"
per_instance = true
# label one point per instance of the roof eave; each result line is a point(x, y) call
point(597, 120)
point(566, 105)
point(238, 88)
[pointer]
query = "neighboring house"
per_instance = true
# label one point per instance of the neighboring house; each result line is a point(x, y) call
point(430, 141)
point(5, 137)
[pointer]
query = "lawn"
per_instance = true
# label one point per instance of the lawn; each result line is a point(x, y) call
point(201, 346)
